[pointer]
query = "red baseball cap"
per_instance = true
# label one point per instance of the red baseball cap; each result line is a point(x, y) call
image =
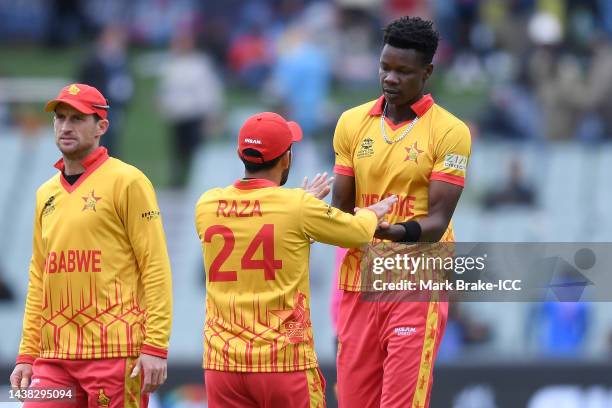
point(84, 98)
point(269, 134)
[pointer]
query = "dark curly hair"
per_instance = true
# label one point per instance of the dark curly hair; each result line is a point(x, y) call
point(413, 33)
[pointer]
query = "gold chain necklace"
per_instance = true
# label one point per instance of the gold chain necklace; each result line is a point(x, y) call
point(404, 133)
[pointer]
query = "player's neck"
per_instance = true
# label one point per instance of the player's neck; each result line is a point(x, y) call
point(72, 163)
point(265, 175)
point(72, 167)
point(401, 113)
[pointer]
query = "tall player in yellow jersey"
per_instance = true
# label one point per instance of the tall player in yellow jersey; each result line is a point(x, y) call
point(255, 235)
point(99, 303)
point(403, 143)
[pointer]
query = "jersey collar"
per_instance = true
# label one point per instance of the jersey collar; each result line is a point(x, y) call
point(420, 107)
point(91, 163)
point(252, 184)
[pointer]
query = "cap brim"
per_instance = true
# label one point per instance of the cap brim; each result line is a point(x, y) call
point(51, 105)
point(296, 131)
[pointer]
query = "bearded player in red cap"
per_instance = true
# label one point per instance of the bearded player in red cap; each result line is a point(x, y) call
point(99, 302)
point(255, 235)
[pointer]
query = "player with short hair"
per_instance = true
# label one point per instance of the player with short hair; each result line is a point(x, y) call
point(99, 302)
point(255, 236)
point(404, 144)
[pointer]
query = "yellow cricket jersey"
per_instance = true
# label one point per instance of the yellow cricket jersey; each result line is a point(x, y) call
point(437, 148)
point(100, 284)
point(256, 244)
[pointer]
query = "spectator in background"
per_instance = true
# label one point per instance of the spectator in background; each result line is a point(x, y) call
point(301, 76)
point(515, 192)
point(107, 70)
point(249, 57)
point(560, 327)
point(65, 24)
point(597, 93)
point(191, 96)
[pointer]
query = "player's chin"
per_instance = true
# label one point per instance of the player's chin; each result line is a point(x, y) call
point(68, 147)
point(395, 98)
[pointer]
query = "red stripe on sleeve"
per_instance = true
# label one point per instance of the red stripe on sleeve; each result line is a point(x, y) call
point(25, 359)
point(154, 351)
point(344, 170)
point(448, 178)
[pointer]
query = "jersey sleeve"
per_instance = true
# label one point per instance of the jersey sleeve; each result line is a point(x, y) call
point(330, 225)
point(29, 347)
point(343, 149)
point(144, 228)
point(451, 155)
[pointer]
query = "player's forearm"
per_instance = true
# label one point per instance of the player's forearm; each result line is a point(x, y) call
point(430, 229)
point(29, 346)
point(433, 228)
point(157, 285)
point(344, 204)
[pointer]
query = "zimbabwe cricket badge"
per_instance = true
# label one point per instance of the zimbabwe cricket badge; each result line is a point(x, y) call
point(90, 201)
point(413, 153)
point(366, 149)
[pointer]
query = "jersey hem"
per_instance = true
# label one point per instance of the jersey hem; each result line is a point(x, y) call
point(250, 369)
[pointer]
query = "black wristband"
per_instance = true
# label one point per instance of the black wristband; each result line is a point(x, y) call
point(413, 231)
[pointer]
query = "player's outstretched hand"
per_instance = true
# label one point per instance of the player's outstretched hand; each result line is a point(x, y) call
point(21, 375)
point(320, 186)
point(382, 207)
point(155, 370)
point(390, 232)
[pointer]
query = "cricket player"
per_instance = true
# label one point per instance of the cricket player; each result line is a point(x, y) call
point(402, 143)
point(255, 236)
point(99, 302)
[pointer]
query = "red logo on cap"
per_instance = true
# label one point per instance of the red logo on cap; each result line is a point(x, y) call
point(269, 134)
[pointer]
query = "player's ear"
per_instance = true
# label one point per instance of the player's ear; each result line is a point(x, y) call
point(285, 160)
point(428, 70)
point(101, 126)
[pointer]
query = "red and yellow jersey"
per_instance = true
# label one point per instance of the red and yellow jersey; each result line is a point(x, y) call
point(437, 148)
point(100, 284)
point(256, 243)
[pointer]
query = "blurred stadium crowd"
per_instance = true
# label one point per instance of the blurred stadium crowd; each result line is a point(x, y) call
point(532, 78)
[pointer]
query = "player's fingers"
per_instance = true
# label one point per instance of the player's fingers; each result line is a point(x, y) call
point(165, 374)
point(305, 183)
point(146, 383)
point(25, 381)
point(136, 369)
point(158, 379)
point(15, 379)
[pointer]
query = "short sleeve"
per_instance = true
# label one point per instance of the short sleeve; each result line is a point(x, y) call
point(451, 155)
point(342, 149)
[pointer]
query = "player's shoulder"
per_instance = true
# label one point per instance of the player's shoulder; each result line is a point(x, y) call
point(444, 120)
point(211, 195)
point(49, 185)
point(125, 172)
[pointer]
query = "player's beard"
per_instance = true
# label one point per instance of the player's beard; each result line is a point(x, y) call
point(285, 176)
